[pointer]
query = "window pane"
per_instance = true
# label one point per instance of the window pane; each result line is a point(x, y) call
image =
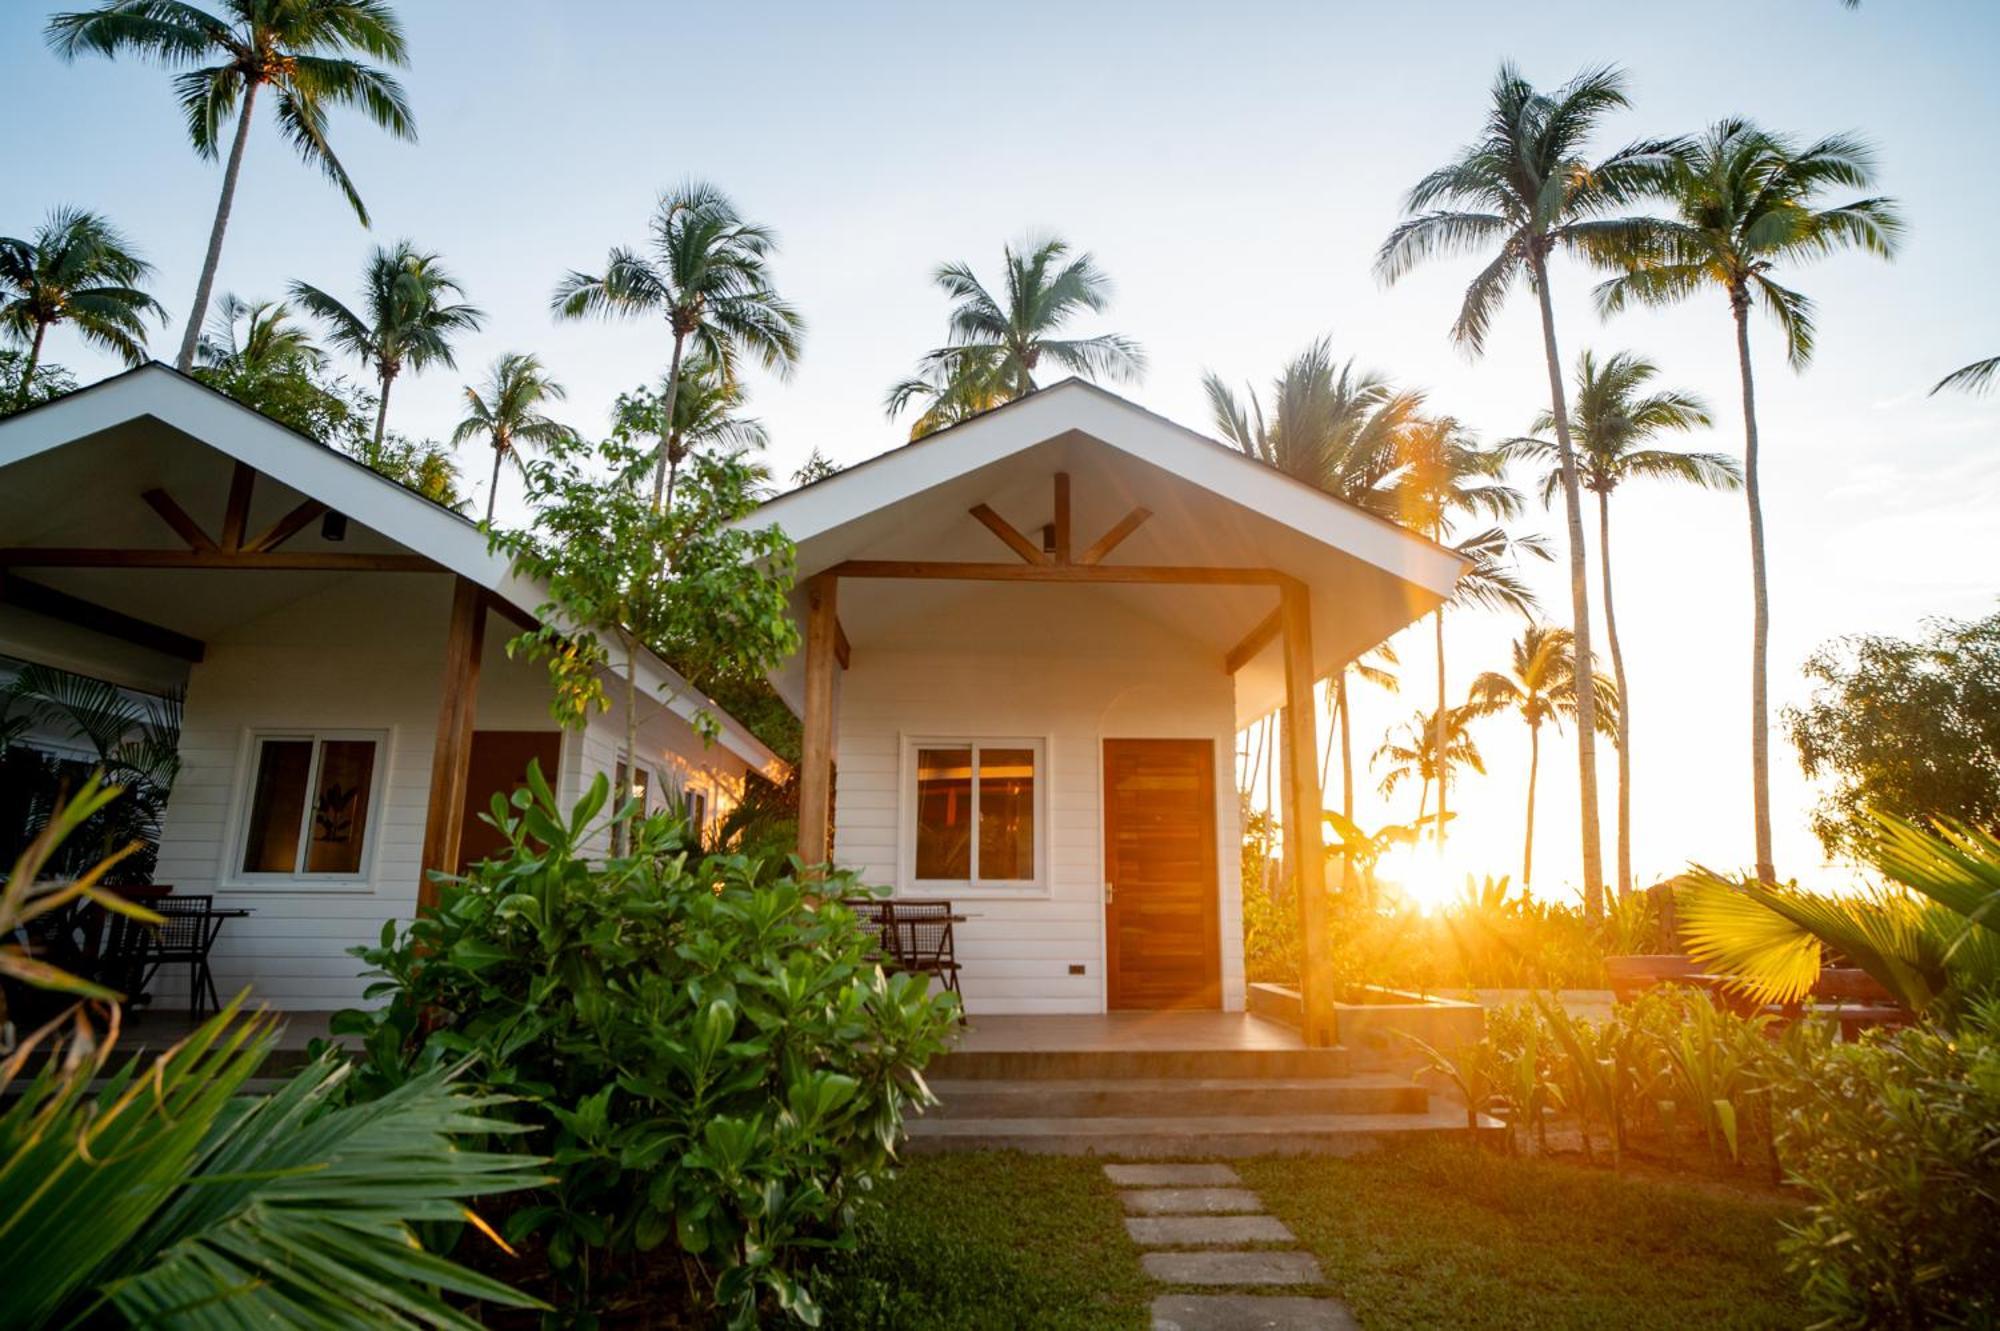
point(640, 789)
point(340, 806)
point(277, 804)
point(1006, 814)
point(944, 813)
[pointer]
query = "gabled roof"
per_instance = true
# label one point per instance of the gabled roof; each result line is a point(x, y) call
point(342, 483)
point(1076, 405)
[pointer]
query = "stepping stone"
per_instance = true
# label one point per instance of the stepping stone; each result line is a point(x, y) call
point(1232, 1268)
point(1206, 1231)
point(1249, 1312)
point(1191, 1201)
point(1172, 1176)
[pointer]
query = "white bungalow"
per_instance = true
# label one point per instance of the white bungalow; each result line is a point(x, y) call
point(1030, 641)
point(341, 643)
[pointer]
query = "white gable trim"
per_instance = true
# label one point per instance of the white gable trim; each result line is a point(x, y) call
point(1075, 405)
point(342, 484)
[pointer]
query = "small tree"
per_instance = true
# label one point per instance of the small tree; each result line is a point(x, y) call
point(708, 595)
point(1909, 727)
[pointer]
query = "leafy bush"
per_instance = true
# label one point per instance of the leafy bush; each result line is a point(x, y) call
point(713, 1060)
point(1898, 1141)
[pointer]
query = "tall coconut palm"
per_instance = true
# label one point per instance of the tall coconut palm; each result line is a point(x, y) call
point(300, 49)
point(996, 344)
point(1444, 474)
point(257, 338)
point(1746, 201)
point(1521, 191)
point(705, 407)
point(709, 277)
point(1540, 686)
point(1974, 378)
point(76, 269)
point(506, 410)
point(1411, 751)
point(1376, 666)
point(1615, 418)
point(407, 318)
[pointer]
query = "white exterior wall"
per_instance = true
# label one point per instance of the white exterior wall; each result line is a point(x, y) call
point(359, 659)
point(1019, 945)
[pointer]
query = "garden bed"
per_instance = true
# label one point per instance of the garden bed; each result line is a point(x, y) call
point(1374, 1021)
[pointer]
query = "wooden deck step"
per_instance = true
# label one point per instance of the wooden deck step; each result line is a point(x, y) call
point(1221, 1063)
point(1190, 1137)
point(1176, 1097)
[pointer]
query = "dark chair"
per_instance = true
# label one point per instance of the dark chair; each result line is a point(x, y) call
point(925, 945)
point(184, 936)
point(877, 918)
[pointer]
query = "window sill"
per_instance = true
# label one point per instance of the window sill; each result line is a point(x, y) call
point(972, 892)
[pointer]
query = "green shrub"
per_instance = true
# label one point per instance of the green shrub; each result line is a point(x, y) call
point(713, 1061)
point(1898, 1141)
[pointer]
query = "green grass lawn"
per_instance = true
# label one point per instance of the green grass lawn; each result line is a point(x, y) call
point(1436, 1236)
point(1439, 1236)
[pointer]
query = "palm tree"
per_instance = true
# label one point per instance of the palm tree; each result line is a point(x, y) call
point(1411, 749)
point(76, 269)
point(1524, 188)
point(300, 48)
point(1614, 418)
point(257, 338)
point(1444, 473)
point(709, 278)
point(1974, 378)
point(1339, 430)
point(704, 406)
point(1376, 666)
point(508, 413)
point(1744, 202)
point(1541, 686)
point(408, 322)
point(997, 345)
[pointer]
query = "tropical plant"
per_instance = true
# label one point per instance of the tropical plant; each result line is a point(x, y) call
point(1525, 189)
point(1363, 850)
point(709, 278)
point(1540, 685)
point(625, 576)
point(407, 319)
point(75, 269)
point(507, 411)
point(701, 412)
point(1612, 422)
point(817, 467)
point(996, 344)
point(1746, 201)
point(1909, 726)
point(22, 387)
point(301, 49)
point(714, 1059)
point(32, 892)
point(1934, 946)
point(1974, 378)
point(1412, 750)
point(1376, 666)
point(1896, 1142)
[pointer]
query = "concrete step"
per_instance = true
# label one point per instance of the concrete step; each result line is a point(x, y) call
point(1190, 1137)
point(1176, 1097)
point(1229, 1064)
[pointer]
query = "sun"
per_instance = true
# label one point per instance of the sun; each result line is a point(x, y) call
point(1420, 876)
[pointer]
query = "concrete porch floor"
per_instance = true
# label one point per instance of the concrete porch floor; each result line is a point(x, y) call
point(1126, 1032)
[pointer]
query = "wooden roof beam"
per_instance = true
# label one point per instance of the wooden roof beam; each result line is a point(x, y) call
point(177, 517)
point(1108, 542)
point(1005, 530)
point(1255, 641)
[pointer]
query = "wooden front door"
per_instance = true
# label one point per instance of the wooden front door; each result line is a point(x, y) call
point(1161, 913)
point(499, 765)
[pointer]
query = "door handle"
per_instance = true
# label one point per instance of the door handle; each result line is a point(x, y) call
point(1110, 892)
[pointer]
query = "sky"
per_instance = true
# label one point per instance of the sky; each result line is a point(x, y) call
point(1233, 168)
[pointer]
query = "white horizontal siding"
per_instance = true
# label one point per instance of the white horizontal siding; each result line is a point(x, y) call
point(1017, 951)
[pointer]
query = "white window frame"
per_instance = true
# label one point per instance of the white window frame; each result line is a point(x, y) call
point(236, 877)
point(974, 888)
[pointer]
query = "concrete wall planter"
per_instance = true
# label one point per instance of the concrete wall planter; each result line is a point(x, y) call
point(1372, 1026)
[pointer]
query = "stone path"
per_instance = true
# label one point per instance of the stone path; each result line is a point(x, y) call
point(1201, 1226)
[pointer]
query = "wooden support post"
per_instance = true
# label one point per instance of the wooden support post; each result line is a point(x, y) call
point(1062, 517)
point(816, 743)
point(1303, 833)
point(458, 699)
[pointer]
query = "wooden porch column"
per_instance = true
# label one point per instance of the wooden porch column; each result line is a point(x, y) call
point(1303, 836)
point(816, 744)
point(465, 637)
